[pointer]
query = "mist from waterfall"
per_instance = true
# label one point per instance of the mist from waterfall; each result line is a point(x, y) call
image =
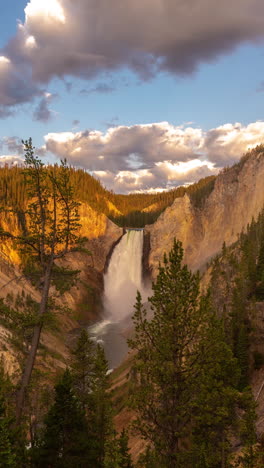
point(124, 276)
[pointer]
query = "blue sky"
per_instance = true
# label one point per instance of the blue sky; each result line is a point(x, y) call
point(115, 79)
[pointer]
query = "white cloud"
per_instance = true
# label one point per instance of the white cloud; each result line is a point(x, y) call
point(50, 10)
point(30, 41)
point(84, 38)
point(226, 143)
point(10, 160)
point(157, 155)
point(4, 60)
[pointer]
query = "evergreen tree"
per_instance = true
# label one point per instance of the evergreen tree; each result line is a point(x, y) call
point(49, 231)
point(260, 273)
point(65, 443)
point(215, 403)
point(83, 368)
point(91, 384)
point(12, 437)
point(185, 391)
point(100, 414)
point(7, 457)
point(125, 457)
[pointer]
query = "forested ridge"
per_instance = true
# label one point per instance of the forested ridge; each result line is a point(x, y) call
point(134, 210)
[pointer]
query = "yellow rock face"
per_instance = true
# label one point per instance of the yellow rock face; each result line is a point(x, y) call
point(93, 224)
point(9, 222)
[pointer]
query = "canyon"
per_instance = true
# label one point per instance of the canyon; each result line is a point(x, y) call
point(236, 198)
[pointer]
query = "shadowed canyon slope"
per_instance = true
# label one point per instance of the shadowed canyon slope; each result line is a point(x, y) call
point(237, 197)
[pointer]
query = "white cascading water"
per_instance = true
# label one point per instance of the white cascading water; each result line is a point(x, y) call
point(124, 276)
point(121, 282)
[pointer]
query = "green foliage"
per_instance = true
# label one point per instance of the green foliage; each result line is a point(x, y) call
point(186, 386)
point(64, 278)
point(83, 368)
point(260, 273)
point(239, 271)
point(200, 191)
point(12, 438)
point(125, 457)
point(7, 457)
point(100, 412)
point(215, 403)
point(91, 384)
point(175, 365)
point(64, 443)
point(19, 315)
point(7, 454)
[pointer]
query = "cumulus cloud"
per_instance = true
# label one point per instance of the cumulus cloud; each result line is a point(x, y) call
point(125, 148)
point(154, 156)
point(225, 144)
point(83, 38)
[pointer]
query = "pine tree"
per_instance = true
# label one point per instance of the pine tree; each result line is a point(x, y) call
point(100, 413)
point(7, 457)
point(49, 231)
point(185, 392)
point(83, 368)
point(260, 273)
point(65, 443)
point(216, 403)
point(91, 384)
point(125, 457)
point(12, 437)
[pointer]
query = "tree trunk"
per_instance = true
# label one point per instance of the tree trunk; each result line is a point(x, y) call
point(30, 361)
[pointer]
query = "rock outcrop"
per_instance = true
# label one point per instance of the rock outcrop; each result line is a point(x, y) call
point(237, 197)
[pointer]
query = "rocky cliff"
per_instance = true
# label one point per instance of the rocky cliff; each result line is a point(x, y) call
point(237, 197)
point(84, 299)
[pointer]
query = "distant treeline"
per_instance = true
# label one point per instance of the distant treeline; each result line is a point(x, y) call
point(134, 210)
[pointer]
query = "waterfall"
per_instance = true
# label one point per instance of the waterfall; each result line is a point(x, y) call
point(121, 282)
point(124, 276)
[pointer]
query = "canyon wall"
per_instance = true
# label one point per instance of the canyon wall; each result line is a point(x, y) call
point(237, 197)
point(82, 300)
